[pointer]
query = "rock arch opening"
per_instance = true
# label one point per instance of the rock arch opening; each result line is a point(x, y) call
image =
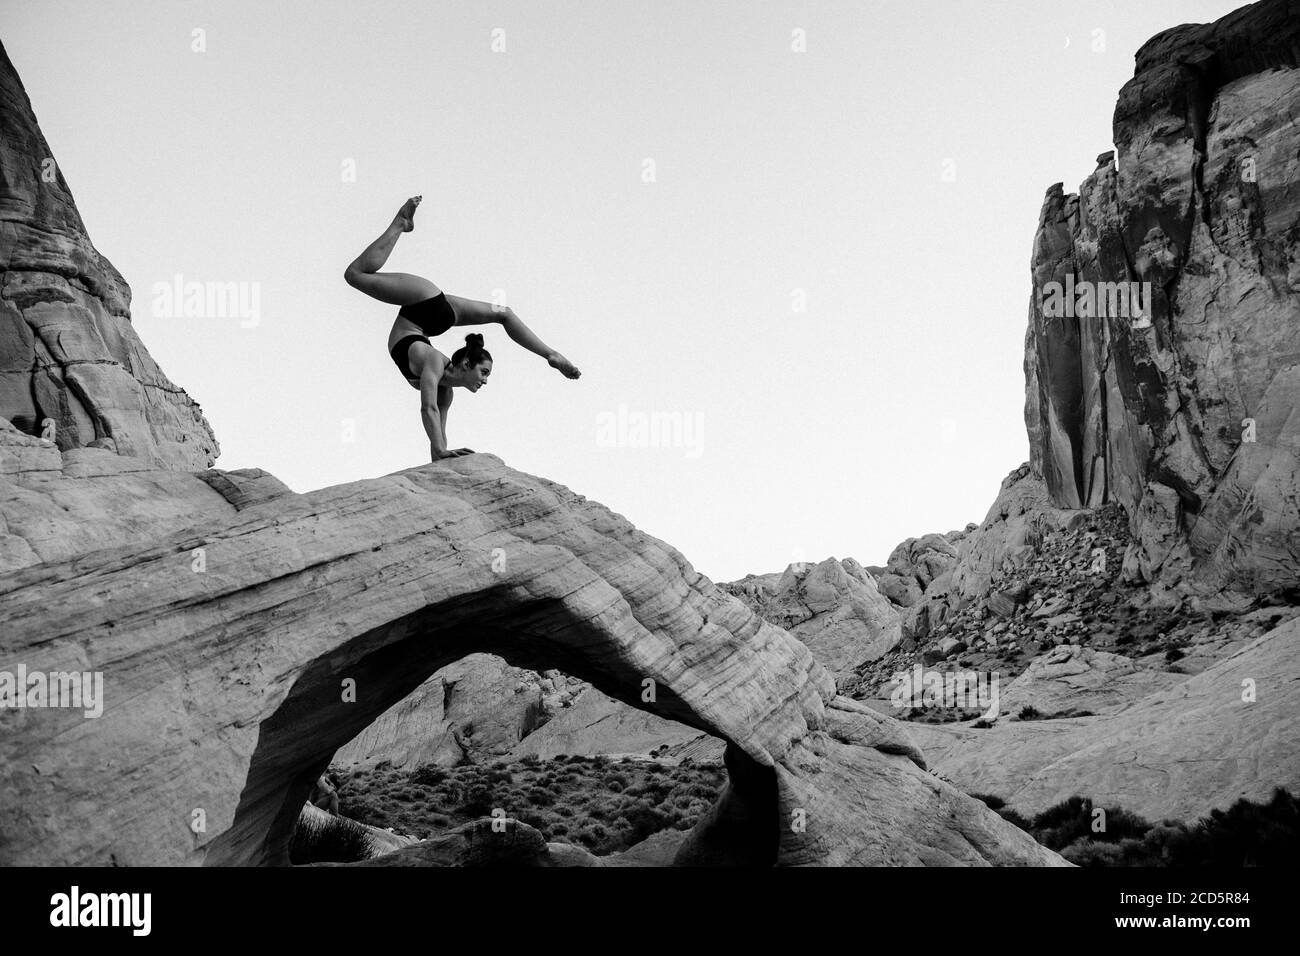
point(342, 692)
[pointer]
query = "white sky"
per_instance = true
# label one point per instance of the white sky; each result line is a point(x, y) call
point(820, 432)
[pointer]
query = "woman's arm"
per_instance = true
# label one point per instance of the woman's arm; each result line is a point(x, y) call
point(433, 411)
point(445, 396)
point(429, 384)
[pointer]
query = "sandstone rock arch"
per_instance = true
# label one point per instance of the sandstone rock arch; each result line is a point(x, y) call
point(224, 686)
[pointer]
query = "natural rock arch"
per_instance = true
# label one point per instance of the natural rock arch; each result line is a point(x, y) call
point(223, 684)
point(298, 741)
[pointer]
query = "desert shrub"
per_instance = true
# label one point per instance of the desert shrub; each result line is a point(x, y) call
point(338, 841)
point(1061, 825)
point(538, 821)
point(1246, 834)
point(1100, 853)
point(542, 797)
point(1029, 712)
point(429, 775)
point(579, 795)
point(476, 803)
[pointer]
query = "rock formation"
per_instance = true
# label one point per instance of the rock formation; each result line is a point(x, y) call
point(1185, 417)
point(246, 634)
point(598, 724)
point(833, 606)
point(477, 708)
point(1178, 748)
point(241, 647)
point(71, 365)
point(1152, 537)
point(1129, 425)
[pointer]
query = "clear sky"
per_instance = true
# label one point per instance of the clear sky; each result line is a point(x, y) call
point(822, 273)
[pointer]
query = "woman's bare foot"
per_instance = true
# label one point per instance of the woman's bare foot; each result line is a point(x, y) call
point(567, 368)
point(405, 218)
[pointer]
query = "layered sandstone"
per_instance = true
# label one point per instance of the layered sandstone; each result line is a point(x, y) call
point(1184, 416)
point(242, 644)
point(72, 368)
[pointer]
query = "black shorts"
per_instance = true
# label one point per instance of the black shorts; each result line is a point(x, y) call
point(400, 353)
point(434, 315)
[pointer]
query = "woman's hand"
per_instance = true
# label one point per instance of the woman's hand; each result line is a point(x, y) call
point(452, 453)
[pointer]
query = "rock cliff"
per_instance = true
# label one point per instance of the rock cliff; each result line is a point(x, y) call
point(1184, 415)
point(71, 366)
point(1144, 561)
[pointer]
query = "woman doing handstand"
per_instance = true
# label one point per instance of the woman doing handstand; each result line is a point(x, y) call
point(427, 310)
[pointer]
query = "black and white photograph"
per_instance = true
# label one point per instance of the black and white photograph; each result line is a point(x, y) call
point(526, 438)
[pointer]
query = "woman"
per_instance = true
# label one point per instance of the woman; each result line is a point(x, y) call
point(427, 310)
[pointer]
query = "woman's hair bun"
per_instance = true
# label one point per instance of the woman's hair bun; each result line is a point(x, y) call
point(472, 351)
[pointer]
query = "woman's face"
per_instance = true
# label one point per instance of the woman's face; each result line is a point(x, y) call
point(478, 375)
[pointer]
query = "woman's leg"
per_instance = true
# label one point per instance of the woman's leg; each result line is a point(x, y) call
point(474, 312)
point(395, 288)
